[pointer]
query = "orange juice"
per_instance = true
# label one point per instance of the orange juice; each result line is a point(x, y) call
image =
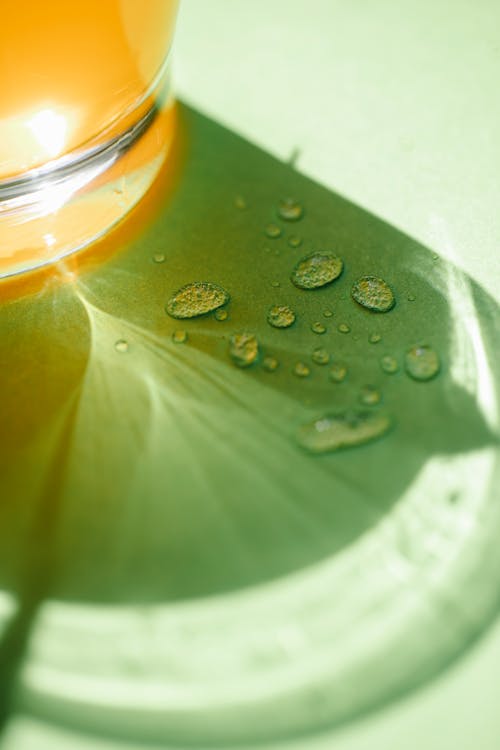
point(75, 75)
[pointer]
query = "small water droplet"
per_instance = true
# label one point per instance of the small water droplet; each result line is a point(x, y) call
point(327, 313)
point(370, 396)
point(435, 256)
point(422, 362)
point(338, 372)
point(273, 231)
point(270, 364)
point(121, 346)
point(159, 258)
point(343, 328)
point(221, 314)
point(280, 316)
point(179, 337)
point(374, 338)
point(318, 327)
point(275, 284)
point(411, 297)
point(240, 202)
point(295, 241)
point(373, 293)
point(290, 209)
point(244, 349)
point(342, 430)
point(389, 364)
point(195, 299)
point(301, 370)
point(320, 356)
point(317, 270)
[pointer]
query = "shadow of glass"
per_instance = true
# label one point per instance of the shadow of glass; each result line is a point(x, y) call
point(181, 478)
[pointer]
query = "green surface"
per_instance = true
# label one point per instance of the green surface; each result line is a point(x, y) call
point(165, 476)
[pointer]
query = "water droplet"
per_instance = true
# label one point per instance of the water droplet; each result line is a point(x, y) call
point(295, 241)
point(320, 356)
point(373, 293)
point(159, 258)
point(370, 396)
point(273, 231)
point(435, 256)
point(290, 210)
point(244, 349)
point(343, 328)
point(389, 364)
point(327, 313)
point(375, 338)
point(343, 430)
point(270, 364)
point(318, 327)
point(179, 337)
point(316, 270)
point(422, 362)
point(338, 372)
point(121, 346)
point(410, 297)
point(280, 316)
point(240, 202)
point(221, 315)
point(301, 370)
point(275, 284)
point(194, 299)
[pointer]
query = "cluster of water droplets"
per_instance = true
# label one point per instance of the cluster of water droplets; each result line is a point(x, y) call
point(314, 270)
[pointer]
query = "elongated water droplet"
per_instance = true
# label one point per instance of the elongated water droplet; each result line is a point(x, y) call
point(320, 356)
point(338, 372)
point(317, 270)
point(422, 362)
point(290, 209)
point(295, 241)
point(159, 258)
point(179, 337)
point(280, 316)
point(270, 364)
point(121, 346)
point(318, 327)
point(301, 370)
point(244, 349)
point(221, 315)
point(374, 338)
point(389, 364)
point(275, 284)
point(273, 231)
point(342, 430)
point(195, 299)
point(370, 396)
point(373, 293)
point(343, 328)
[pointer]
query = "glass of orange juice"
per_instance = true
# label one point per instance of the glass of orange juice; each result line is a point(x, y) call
point(85, 120)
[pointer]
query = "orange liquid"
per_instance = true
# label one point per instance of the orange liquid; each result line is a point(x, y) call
point(70, 68)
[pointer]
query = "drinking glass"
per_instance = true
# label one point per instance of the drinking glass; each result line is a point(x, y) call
point(86, 120)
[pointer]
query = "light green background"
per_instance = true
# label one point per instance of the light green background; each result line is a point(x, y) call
point(396, 105)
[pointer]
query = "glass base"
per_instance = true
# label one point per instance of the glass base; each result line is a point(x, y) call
point(51, 212)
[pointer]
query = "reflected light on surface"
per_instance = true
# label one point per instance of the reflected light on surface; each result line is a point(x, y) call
point(50, 129)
